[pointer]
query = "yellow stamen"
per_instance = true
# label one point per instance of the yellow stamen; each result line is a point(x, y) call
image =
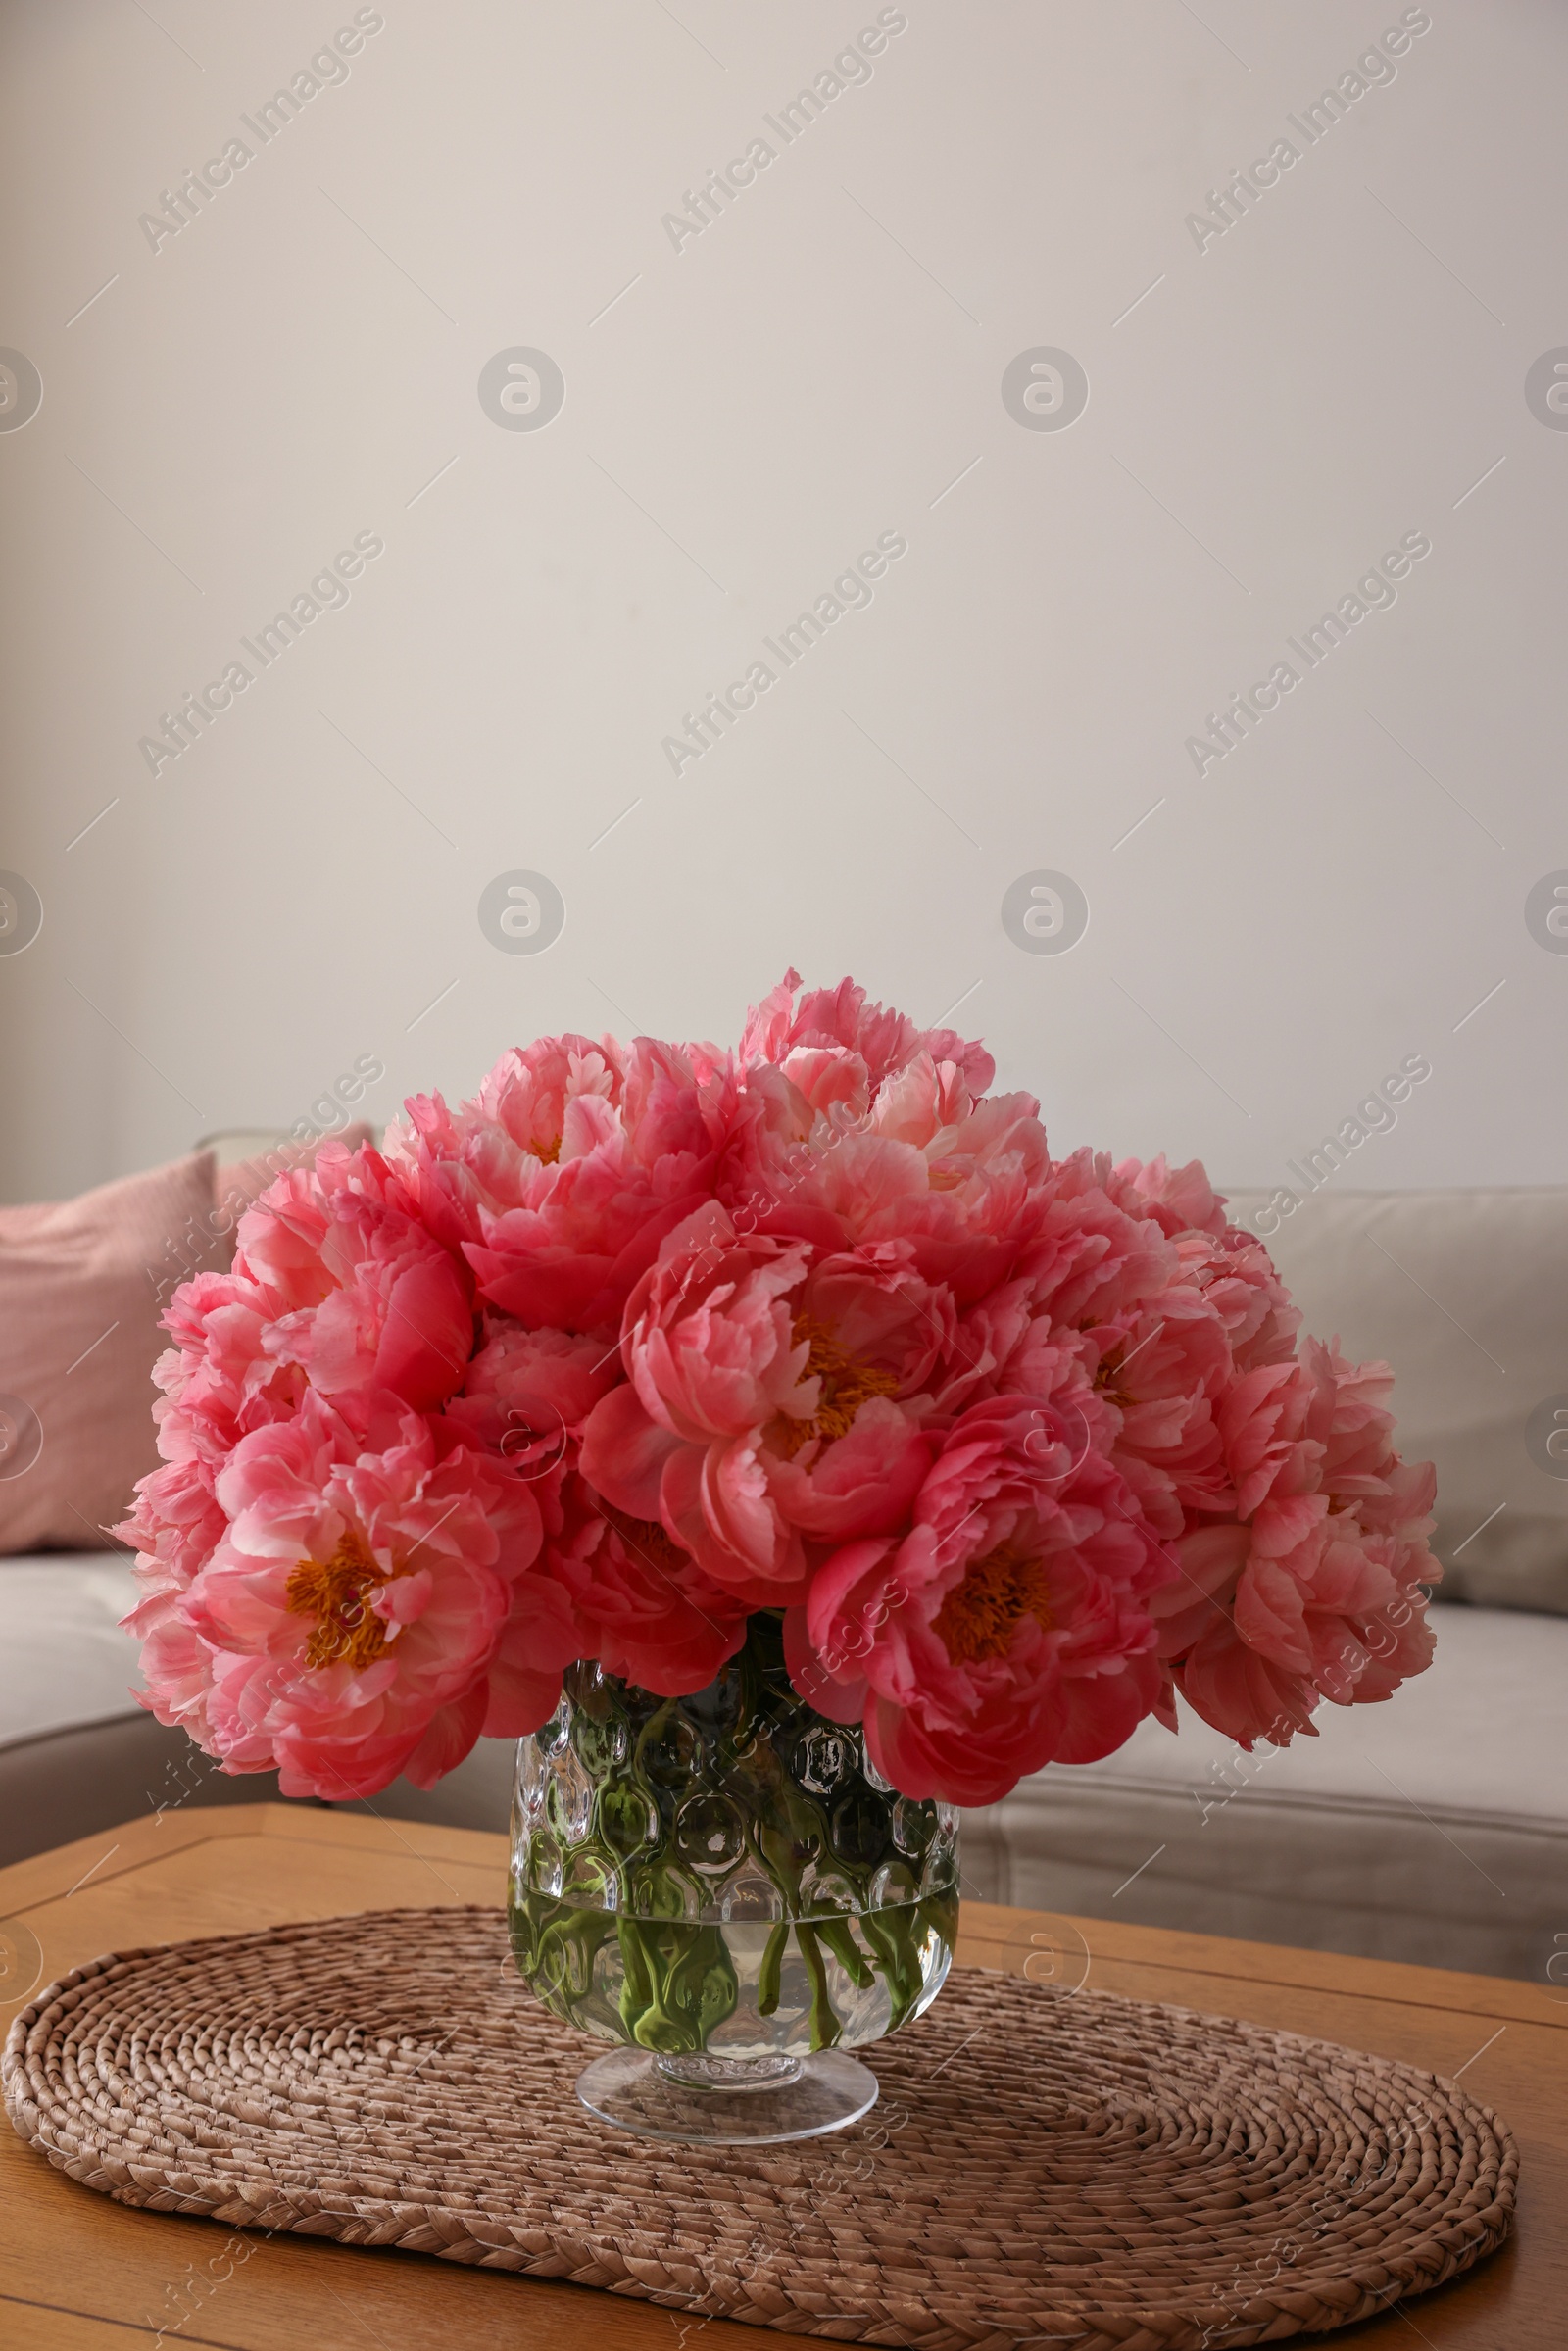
point(549, 1153)
point(338, 1594)
point(980, 1616)
point(846, 1386)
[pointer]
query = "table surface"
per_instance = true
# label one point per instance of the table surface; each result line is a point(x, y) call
point(80, 2273)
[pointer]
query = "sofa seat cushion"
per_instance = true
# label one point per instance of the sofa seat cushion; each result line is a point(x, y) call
point(1431, 1828)
point(63, 1657)
point(76, 1753)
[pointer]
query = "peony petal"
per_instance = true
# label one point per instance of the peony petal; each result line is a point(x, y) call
point(624, 1453)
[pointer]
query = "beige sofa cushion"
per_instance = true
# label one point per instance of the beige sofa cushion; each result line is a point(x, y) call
point(1465, 1293)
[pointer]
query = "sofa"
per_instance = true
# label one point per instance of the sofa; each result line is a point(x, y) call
point(1432, 1829)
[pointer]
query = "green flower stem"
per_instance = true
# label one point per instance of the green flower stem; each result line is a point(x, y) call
point(825, 2023)
point(788, 1837)
point(648, 1736)
point(768, 1975)
point(702, 1987)
point(637, 1987)
point(562, 1956)
point(839, 1937)
point(679, 1983)
point(894, 1937)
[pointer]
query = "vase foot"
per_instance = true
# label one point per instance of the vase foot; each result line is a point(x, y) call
point(631, 2089)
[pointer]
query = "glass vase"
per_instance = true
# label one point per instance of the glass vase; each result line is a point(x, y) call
point(725, 1887)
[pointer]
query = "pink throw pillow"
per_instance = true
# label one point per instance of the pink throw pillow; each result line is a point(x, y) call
point(82, 1284)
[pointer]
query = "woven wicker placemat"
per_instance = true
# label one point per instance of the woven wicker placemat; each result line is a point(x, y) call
point(1043, 2166)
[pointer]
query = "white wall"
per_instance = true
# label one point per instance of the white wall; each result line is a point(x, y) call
point(816, 368)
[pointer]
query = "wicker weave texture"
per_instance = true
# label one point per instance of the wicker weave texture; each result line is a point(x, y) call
point(1074, 2168)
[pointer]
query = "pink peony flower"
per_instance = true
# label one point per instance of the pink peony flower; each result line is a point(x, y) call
point(1315, 1588)
point(646, 1609)
point(219, 1379)
point(1336, 1613)
point(839, 1022)
point(529, 1090)
point(459, 1162)
point(565, 1174)
point(218, 1384)
point(1237, 1276)
point(1085, 1259)
point(381, 1303)
point(176, 1524)
point(1179, 1199)
point(362, 1614)
point(962, 1203)
point(1009, 1628)
point(1165, 1371)
point(770, 1399)
point(527, 1393)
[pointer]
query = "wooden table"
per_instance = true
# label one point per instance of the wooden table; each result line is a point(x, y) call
point(80, 2273)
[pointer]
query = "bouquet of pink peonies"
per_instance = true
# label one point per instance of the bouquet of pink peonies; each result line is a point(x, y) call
point(647, 1339)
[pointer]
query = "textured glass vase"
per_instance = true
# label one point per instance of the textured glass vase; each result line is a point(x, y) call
point(725, 1887)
